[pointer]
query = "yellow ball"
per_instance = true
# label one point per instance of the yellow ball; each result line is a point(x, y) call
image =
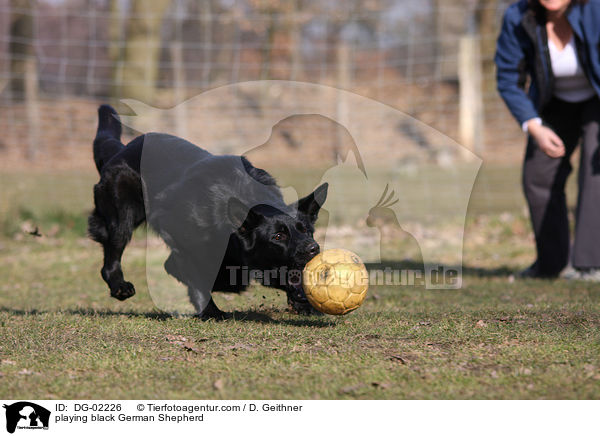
point(335, 281)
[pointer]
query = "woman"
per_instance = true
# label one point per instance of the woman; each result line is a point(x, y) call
point(556, 44)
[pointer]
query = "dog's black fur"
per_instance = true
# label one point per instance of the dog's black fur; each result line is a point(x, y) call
point(218, 214)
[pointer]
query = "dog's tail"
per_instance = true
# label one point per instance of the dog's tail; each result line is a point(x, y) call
point(108, 136)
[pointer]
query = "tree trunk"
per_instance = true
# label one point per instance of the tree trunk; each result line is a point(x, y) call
point(488, 30)
point(23, 70)
point(471, 101)
point(137, 66)
point(21, 45)
point(267, 48)
point(295, 42)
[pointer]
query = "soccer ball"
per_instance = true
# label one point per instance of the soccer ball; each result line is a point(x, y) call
point(335, 281)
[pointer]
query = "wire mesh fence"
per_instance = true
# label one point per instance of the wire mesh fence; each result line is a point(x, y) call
point(60, 58)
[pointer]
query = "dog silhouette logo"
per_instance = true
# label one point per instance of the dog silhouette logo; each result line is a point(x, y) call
point(26, 415)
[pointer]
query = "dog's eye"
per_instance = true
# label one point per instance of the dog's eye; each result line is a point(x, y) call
point(280, 236)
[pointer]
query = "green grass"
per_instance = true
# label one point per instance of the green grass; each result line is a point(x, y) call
point(62, 336)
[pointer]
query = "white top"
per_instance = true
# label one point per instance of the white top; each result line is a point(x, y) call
point(570, 83)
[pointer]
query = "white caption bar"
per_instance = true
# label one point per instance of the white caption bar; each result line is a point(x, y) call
point(79, 417)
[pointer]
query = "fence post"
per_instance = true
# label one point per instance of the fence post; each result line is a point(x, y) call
point(470, 98)
point(32, 108)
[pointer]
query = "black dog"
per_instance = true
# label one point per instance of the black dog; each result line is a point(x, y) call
point(219, 215)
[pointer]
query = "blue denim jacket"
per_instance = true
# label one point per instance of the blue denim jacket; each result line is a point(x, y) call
point(522, 53)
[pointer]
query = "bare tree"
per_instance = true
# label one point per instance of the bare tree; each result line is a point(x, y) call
point(23, 69)
point(137, 58)
point(488, 29)
point(21, 45)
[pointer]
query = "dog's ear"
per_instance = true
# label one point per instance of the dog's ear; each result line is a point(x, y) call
point(311, 204)
point(241, 216)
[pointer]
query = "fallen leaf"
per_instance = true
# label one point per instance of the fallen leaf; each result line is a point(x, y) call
point(183, 342)
point(29, 227)
point(188, 346)
point(8, 362)
point(25, 371)
point(399, 359)
point(380, 385)
point(494, 374)
point(36, 232)
point(219, 385)
point(480, 324)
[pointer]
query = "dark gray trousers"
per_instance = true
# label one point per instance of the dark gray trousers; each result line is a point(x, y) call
point(544, 180)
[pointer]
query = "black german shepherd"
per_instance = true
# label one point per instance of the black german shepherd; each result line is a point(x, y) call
point(219, 215)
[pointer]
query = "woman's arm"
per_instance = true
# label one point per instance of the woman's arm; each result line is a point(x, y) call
point(510, 62)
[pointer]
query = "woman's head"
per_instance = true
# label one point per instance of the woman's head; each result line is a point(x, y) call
point(554, 6)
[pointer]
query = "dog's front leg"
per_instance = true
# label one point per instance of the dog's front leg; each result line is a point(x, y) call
point(208, 311)
point(186, 271)
point(113, 274)
point(113, 239)
point(119, 210)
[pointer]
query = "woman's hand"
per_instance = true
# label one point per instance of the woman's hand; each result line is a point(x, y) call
point(548, 141)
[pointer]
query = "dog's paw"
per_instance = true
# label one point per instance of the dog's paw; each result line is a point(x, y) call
point(303, 308)
point(123, 292)
point(216, 315)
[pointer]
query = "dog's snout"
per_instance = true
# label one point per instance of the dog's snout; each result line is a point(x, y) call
point(313, 249)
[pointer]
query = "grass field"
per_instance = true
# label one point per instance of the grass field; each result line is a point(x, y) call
point(62, 336)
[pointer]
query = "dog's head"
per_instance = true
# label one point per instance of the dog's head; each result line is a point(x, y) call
point(280, 238)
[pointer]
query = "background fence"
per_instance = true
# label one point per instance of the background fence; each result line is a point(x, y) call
point(432, 59)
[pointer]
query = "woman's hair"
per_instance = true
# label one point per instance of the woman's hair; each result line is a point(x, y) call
point(538, 8)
